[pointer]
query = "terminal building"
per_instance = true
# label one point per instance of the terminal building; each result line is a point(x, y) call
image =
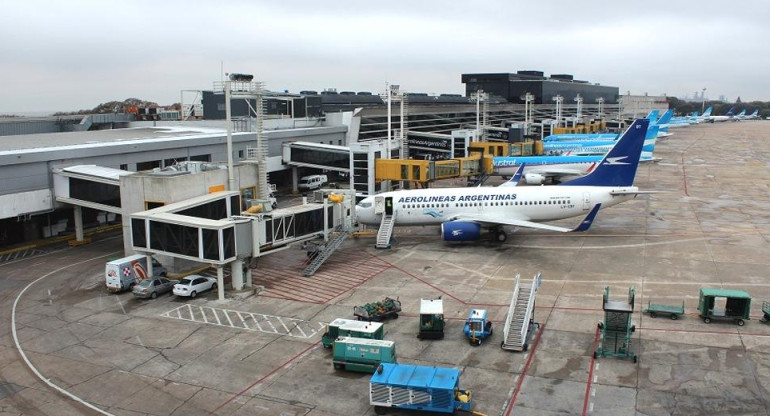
point(513, 87)
point(60, 179)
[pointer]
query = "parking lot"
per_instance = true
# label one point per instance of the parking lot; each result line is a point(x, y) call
point(261, 354)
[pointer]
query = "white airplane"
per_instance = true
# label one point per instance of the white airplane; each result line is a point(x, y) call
point(726, 117)
point(463, 212)
point(753, 116)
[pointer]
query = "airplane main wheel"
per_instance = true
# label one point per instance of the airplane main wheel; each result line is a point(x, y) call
point(501, 236)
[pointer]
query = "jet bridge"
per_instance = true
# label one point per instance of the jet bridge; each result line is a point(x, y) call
point(212, 229)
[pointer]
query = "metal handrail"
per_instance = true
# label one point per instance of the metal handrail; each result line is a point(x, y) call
point(507, 326)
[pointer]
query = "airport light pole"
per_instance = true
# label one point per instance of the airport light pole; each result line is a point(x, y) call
point(703, 97)
point(600, 100)
point(579, 101)
point(559, 101)
point(479, 96)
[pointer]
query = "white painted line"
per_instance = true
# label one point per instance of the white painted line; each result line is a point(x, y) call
point(242, 321)
point(216, 315)
point(227, 315)
point(24, 355)
point(284, 325)
point(192, 314)
point(593, 392)
point(203, 314)
point(303, 332)
point(595, 378)
point(121, 305)
point(591, 407)
point(596, 368)
point(271, 324)
point(259, 327)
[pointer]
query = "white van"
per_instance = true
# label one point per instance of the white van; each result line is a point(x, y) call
point(309, 183)
point(123, 274)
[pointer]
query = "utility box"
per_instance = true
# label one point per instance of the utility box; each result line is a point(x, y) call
point(362, 355)
point(431, 319)
point(432, 389)
point(341, 327)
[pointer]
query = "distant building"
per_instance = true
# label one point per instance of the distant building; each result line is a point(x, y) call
point(634, 106)
point(513, 87)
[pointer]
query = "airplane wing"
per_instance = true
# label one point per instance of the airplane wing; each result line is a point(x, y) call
point(638, 192)
point(516, 176)
point(487, 221)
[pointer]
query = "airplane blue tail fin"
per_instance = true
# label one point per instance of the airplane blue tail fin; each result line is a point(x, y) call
point(707, 112)
point(653, 115)
point(755, 113)
point(666, 117)
point(618, 168)
point(731, 111)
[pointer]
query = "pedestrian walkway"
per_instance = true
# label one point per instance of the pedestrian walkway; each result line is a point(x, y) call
point(249, 321)
point(281, 275)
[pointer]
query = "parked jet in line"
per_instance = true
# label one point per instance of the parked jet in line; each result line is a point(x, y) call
point(463, 212)
point(729, 116)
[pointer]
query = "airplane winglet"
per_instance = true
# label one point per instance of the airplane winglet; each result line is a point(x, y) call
point(588, 220)
point(516, 176)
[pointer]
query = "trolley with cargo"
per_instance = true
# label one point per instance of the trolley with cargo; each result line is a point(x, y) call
point(341, 327)
point(362, 355)
point(378, 311)
point(432, 389)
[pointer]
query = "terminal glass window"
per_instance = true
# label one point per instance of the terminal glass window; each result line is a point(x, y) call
point(98, 192)
point(210, 244)
point(150, 165)
point(214, 210)
point(416, 173)
point(321, 157)
point(138, 235)
point(174, 238)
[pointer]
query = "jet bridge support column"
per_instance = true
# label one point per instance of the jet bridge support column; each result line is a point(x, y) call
point(78, 223)
point(220, 283)
point(150, 272)
point(294, 180)
point(236, 271)
point(249, 282)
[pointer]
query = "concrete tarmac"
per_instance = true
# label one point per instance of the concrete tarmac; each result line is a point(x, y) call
point(261, 354)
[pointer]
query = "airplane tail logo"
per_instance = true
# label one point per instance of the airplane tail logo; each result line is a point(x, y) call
point(618, 168)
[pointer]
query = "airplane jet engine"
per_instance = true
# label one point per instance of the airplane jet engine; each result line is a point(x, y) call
point(460, 231)
point(534, 178)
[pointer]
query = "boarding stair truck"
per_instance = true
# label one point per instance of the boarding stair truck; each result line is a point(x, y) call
point(341, 327)
point(362, 355)
point(431, 389)
point(520, 320)
point(123, 274)
point(431, 319)
point(727, 304)
point(477, 327)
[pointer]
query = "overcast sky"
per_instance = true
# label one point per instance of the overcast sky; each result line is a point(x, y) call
point(70, 55)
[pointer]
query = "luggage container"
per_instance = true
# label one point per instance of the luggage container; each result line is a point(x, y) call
point(362, 355)
point(432, 389)
point(724, 304)
point(431, 319)
point(341, 327)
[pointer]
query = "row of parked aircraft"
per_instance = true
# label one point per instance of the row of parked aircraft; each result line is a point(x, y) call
point(464, 212)
point(590, 170)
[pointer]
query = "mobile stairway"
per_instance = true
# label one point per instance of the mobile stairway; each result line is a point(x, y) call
point(385, 232)
point(318, 257)
point(519, 323)
point(616, 329)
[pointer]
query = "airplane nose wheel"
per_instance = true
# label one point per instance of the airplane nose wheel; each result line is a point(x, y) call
point(501, 236)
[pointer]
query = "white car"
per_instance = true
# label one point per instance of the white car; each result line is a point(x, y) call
point(194, 284)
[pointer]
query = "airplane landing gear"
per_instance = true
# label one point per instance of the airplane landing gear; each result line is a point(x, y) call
point(500, 235)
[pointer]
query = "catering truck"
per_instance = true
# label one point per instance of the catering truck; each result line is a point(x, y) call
point(123, 274)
